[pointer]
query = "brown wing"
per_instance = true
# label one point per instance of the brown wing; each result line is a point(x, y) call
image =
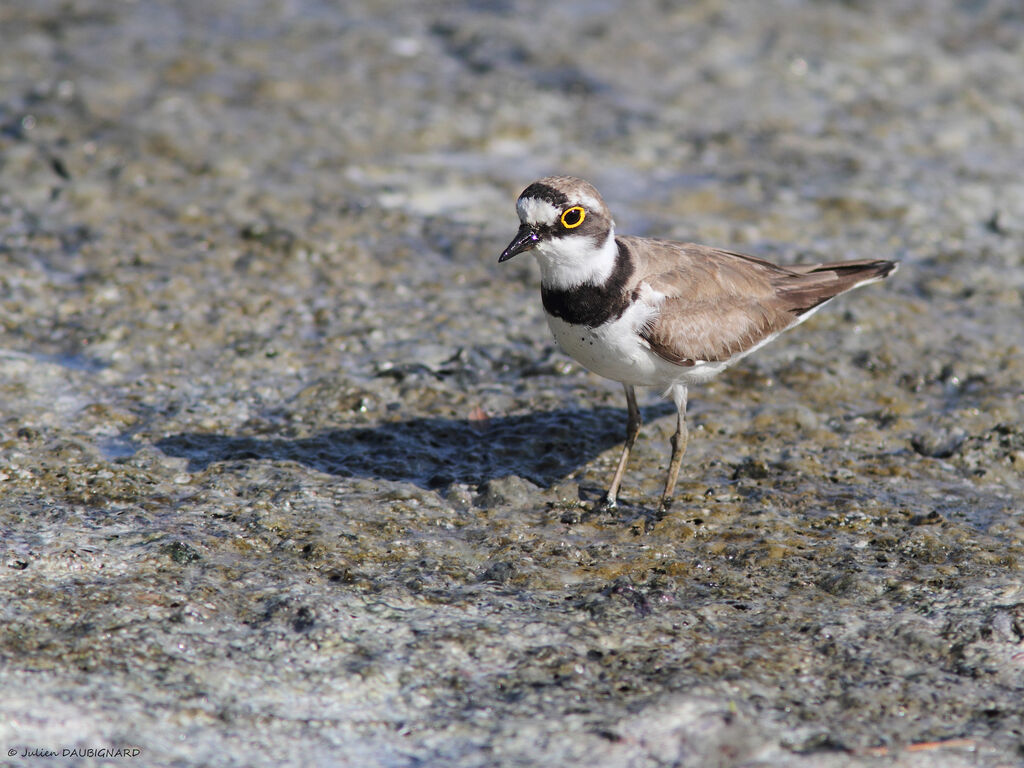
point(720, 304)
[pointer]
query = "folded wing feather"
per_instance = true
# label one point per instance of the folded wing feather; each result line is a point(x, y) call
point(718, 304)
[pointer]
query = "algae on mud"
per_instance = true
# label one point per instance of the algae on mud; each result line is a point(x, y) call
point(287, 468)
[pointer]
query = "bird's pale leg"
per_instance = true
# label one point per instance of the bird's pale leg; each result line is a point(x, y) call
point(679, 440)
point(632, 430)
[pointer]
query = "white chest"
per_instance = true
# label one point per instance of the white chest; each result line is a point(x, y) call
point(614, 350)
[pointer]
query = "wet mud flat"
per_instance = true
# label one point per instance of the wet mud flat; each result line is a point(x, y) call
point(291, 471)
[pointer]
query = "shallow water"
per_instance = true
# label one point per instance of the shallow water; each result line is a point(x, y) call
point(289, 465)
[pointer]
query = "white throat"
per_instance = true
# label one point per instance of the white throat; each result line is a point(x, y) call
point(572, 260)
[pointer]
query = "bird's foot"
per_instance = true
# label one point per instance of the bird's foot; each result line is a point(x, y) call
point(665, 504)
point(608, 504)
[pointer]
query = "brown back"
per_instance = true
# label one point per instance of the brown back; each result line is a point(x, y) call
point(720, 304)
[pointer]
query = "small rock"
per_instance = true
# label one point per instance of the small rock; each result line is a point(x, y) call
point(304, 619)
point(836, 583)
point(567, 493)
point(499, 572)
point(572, 516)
point(506, 491)
point(459, 496)
point(940, 444)
point(752, 468)
point(183, 553)
point(1003, 624)
point(931, 518)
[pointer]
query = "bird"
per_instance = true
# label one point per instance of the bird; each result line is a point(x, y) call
point(658, 313)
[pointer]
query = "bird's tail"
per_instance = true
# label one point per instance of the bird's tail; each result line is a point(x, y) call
point(814, 284)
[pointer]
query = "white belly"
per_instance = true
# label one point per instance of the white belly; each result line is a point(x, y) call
point(614, 350)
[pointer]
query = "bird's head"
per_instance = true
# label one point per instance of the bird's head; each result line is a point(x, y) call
point(567, 225)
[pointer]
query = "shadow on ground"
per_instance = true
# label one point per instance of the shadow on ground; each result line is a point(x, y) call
point(432, 452)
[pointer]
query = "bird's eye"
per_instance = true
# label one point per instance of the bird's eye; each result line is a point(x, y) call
point(573, 217)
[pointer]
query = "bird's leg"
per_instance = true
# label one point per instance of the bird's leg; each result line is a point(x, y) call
point(679, 440)
point(632, 430)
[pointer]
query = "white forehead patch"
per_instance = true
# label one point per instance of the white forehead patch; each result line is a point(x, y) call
point(536, 212)
point(590, 203)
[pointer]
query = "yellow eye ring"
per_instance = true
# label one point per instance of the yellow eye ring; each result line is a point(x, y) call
point(573, 217)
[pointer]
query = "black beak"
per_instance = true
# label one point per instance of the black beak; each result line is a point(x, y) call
point(524, 240)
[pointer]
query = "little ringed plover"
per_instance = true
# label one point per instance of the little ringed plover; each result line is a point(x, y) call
point(656, 313)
